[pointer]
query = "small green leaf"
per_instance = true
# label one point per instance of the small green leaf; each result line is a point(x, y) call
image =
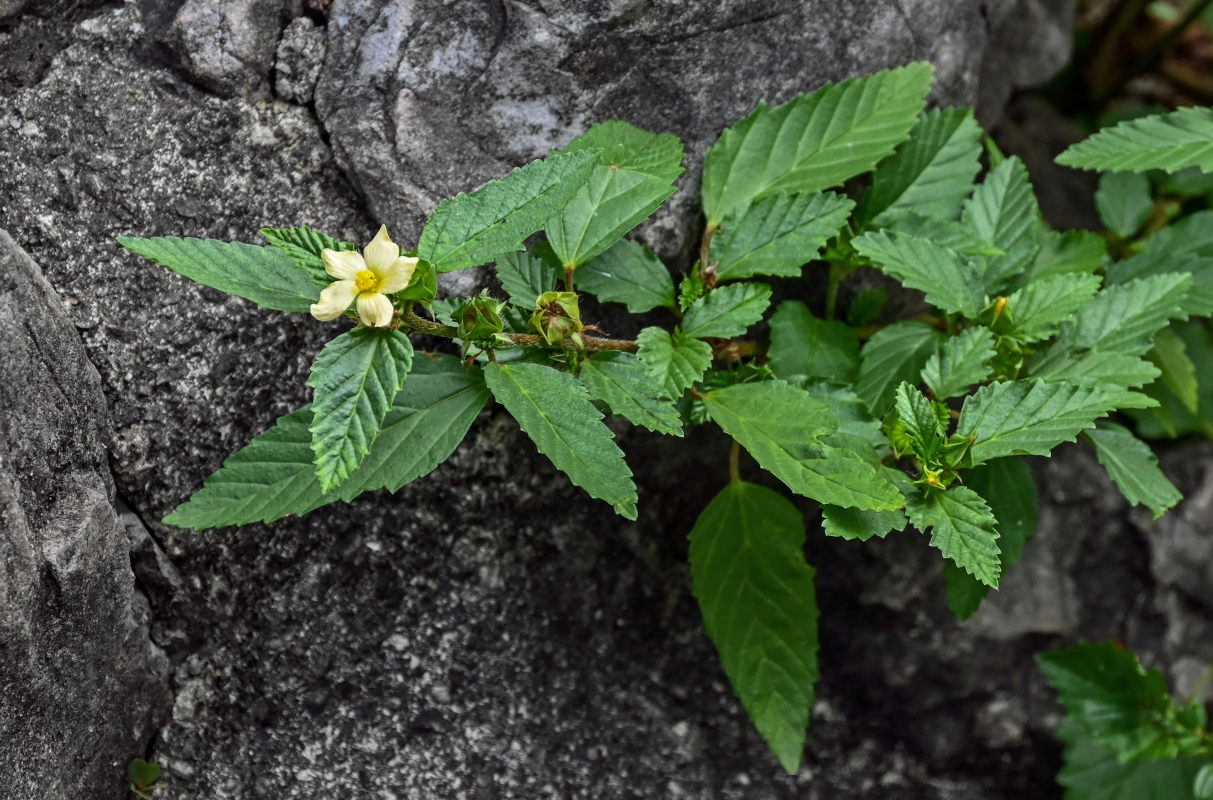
point(760, 609)
point(1123, 200)
point(1064, 254)
point(777, 235)
point(274, 476)
point(946, 233)
point(894, 354)
point(1037, 310)
point(1177, 372)
point(1171, 418)
point(1202, 784)
point(143, 773)
point(1133, 467)
point(1004, 212)
point(355, 380)
point(555, 411)
point(920, 418)
point(960, 362)
point(1105, 689)
point(962, 528)
point(1155, 261)
point(265, 275)
point(525, 277)
point(865, 306)
point(949, 280)
point(813, 142)
point(783, 428)
point(727, 311)
point(931, 173)
point(472, 229)
point(1028, 417)
point(1007, 486)
point(805, 346)
point(305, 247)
point(1124, 318)
point(629, 273)
point(623, 382)
point(855, 523)
point(1170, 142)
point(1091, 771)
point(674, 361)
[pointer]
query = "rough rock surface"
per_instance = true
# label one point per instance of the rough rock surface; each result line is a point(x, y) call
point(488, 632)
point(82, 688)
point(227, 45)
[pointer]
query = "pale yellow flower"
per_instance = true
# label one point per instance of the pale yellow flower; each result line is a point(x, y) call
point(367, 277)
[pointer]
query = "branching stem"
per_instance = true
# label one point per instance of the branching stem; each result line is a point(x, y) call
point(410, 321)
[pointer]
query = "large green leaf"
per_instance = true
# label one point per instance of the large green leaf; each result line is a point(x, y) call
point(354, 380)
point(1133, 467)
point(960, 362)
point(675, 360)
point(1064, 254)
point(1091, 771)
point(814, 141)
point(623, 382)
point(1123, 200)
point(931, 173)
point(949, 280)
point(275, 475)
point(1036, 311)
point(1156, 261)
point(783, 428)
point(727, 311)
point(633, 177)
point(555, 411)
point(760, 609)
point(1028, 417)
point(1004, 212)
point(1007, 486)
point(894, 354)
point(1173, 141)
point(305, 247)
point(804, 346)
point(1106, 690)
point(629, 273)
point(265, 275)
point(777, 235)
point(1124, 318)
point(472, 229)
point(962, 528)
point(525, 277)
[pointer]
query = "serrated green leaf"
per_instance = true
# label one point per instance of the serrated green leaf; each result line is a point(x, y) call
point(1176, 370)
point(275, 476)
point(354, 381)
point(1190, 235)
point(1092, 772)
point(634, 175)
point(1170, 418)
point(1171, 142)
point(949, 280)
point(854, 523)
point(727, 311)
point(962, 528)
point(1036, 310)
point(960, 362)
point(931, 173)
point(1064, 254)
point(525, 277)
point(803, 345)
point(943, 232)
point(1105, 689)
point(920, 417)
point(1124, 318)
point(265, 275)
point(857, 429)
point(623, 382)
point(674, 361)
point(1109, 370)
point(1123, 201)
point(813, 142)
point(760, 609)
point(1199, 299)
point(472, 229)
point(1028, 417)
point(1133, 467)
point(1007, 486)
point(629, 273)
point(894, 354)
point(1004, 212)
point(783, 428)
point(305, 246)
point(777, 234)
point(555, 411)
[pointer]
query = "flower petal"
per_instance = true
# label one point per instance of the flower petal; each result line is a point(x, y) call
point(343, 264)
point(398, 275)
point(334, 300)
point(381, 252)
point(374, 309)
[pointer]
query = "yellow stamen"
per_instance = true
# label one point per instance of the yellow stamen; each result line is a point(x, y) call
point(366, 281)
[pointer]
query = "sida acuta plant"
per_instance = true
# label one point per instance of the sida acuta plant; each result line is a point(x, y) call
point(1020, 342)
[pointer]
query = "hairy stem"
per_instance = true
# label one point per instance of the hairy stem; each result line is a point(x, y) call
point(735, 462)
point(410, 321)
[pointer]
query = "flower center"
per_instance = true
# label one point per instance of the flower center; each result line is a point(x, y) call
point(366, 281)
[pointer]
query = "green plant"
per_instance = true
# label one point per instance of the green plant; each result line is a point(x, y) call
point(143, 776)
point(886, 424)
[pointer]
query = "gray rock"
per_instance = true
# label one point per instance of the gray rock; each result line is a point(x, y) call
point(298, 61)
point(1030, 41)
point(1181, 543)
point(227, 46)
point(82, 688)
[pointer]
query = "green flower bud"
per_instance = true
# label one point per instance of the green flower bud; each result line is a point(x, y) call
point(557, 318)
point(480, 323)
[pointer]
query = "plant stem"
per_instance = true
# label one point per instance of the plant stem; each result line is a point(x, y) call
point(833, 282)
point(1200, 685)
point(410, 321)
point(735, 462)
point(703, 251)
point(1101, 65)
point(568, 277)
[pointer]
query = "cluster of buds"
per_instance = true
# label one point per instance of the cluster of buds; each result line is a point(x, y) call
point(480, 323)
point(557, 318)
